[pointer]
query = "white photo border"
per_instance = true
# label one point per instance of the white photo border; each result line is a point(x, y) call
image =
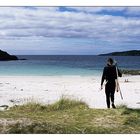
point(70, 3)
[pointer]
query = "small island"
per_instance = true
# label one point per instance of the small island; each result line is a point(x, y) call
point(124, 53)
point(4, 56)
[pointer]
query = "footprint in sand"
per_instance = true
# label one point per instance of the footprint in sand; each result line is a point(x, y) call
point(15, 100)
point(46, 90)
point(7, 83)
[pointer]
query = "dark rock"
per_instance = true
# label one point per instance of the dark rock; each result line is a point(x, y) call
point(4, 107)
point(4, 56)
point(23, 59)
point(12, 101)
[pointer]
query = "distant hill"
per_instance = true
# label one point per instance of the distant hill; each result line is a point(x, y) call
point(124, 53)
point(4, 56)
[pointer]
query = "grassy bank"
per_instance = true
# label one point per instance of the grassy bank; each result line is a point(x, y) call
point(68, 116)
point(130, 72)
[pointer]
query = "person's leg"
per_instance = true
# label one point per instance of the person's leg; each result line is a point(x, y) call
point(112, 95)
point(112, 100)
point(108, 100)
point(107, 96)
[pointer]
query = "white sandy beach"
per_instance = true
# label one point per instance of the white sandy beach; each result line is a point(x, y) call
point(49, 89)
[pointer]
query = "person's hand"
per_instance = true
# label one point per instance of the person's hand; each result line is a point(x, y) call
point(117, 90)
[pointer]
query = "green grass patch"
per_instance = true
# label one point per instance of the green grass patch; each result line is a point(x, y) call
point(130, 72)
point(68, 117)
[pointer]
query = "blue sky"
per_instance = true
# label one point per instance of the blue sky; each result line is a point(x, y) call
point(69, 30)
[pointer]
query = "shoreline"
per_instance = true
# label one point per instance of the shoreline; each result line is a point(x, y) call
point(16, 90)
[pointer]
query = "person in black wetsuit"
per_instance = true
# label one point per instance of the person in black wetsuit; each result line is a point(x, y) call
point(110, 75)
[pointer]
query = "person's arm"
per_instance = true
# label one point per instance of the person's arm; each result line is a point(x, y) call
point(103, 78)
point(119, 73)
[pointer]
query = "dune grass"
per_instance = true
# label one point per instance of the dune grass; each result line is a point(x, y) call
point(130, 72)
point(68, 117)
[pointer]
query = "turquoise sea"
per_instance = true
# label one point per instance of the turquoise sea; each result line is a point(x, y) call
point(46, 65)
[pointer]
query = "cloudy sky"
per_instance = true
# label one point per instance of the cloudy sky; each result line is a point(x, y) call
point(69, 30)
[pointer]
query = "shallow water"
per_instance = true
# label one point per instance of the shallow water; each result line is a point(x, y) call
point(64, 65)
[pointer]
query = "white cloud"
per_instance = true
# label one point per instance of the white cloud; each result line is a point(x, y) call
point(21, 22)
